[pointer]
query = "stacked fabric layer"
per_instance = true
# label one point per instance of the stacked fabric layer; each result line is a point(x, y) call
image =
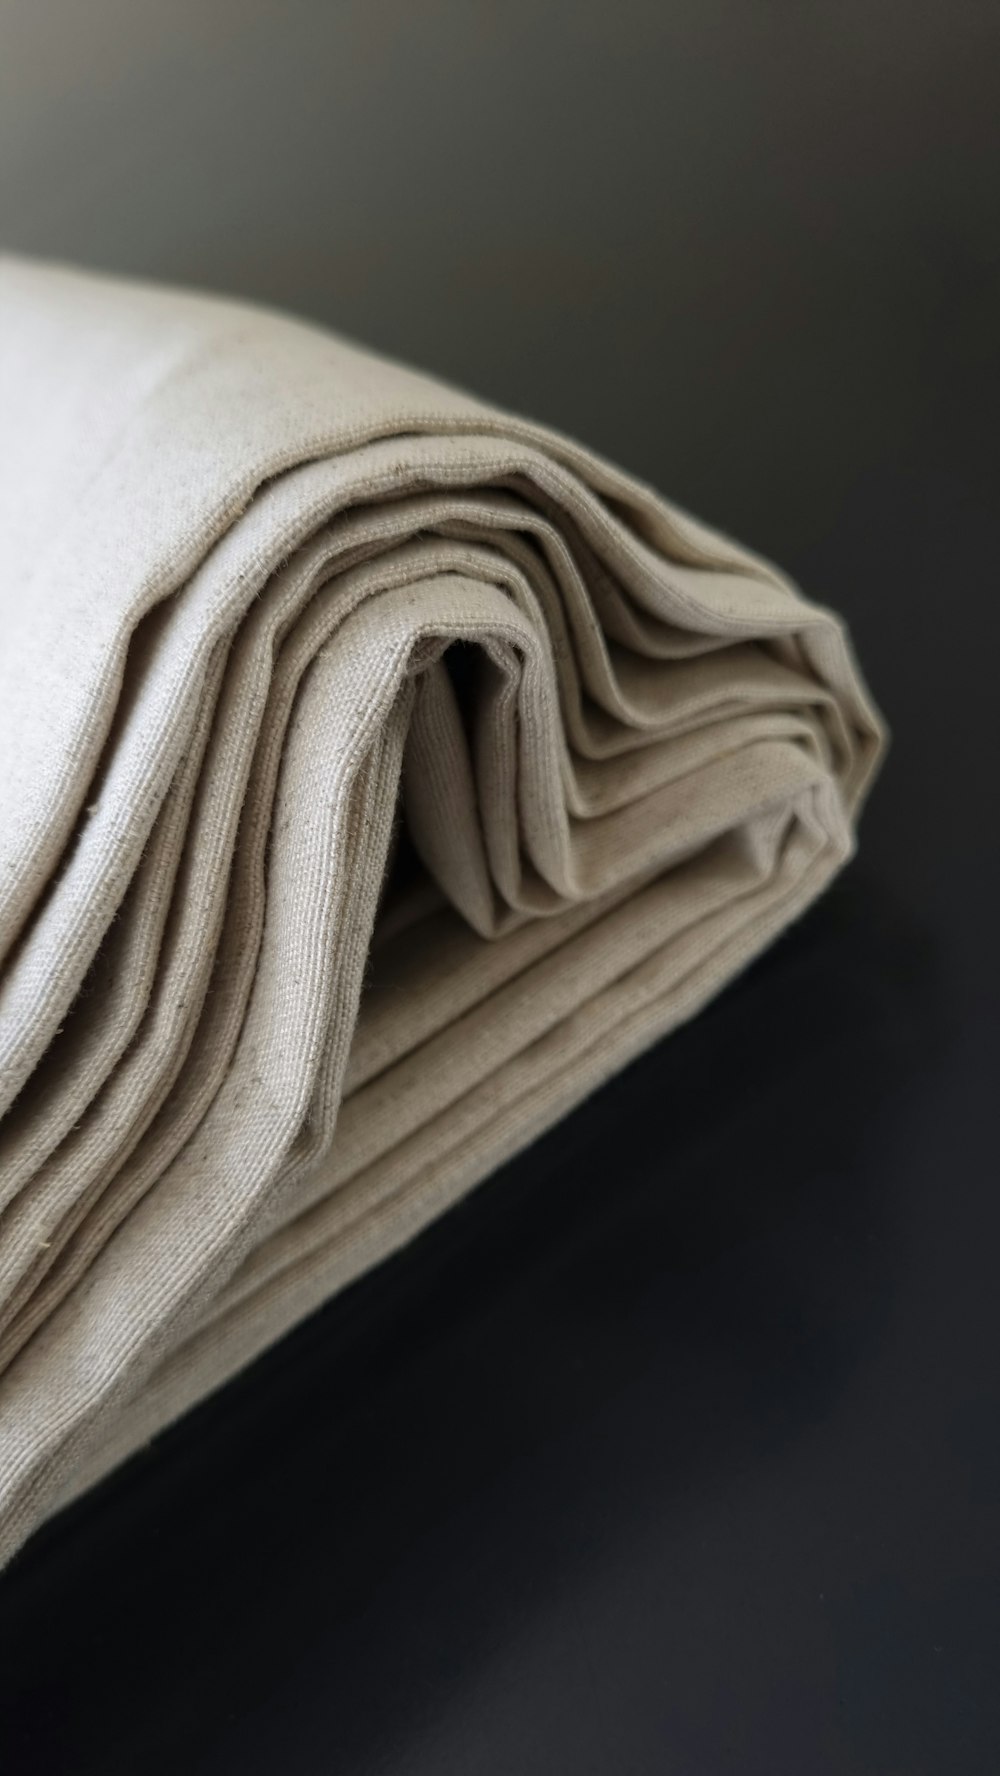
point(379, 774)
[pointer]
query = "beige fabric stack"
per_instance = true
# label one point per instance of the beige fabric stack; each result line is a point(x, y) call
point(379, 774)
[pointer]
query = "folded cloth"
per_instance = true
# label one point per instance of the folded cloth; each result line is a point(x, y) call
point(379, 774)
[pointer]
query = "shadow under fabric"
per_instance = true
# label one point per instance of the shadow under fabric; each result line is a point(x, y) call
point(380, 773)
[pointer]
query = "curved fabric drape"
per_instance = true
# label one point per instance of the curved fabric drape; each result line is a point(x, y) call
point(379, 773)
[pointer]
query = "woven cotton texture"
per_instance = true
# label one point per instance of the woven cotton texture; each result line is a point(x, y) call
point(379, 774)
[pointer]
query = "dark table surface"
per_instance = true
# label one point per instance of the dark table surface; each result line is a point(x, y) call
point(675, 1449)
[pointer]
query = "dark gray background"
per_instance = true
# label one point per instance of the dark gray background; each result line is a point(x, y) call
point(697, 1471)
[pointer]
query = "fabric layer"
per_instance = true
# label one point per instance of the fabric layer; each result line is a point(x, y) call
point(380, 773)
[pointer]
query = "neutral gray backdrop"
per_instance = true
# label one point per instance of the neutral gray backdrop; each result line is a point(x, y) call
point(556, 202)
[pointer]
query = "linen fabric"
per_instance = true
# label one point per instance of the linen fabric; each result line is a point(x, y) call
point(380, 773)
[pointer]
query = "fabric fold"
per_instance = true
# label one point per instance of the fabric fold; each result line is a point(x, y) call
point(381, 772)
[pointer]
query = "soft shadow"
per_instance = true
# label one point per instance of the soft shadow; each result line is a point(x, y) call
point(681, 1280)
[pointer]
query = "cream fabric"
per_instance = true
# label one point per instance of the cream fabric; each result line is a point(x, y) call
point(379, 774)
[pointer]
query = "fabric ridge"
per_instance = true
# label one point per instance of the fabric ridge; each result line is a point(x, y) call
point(380, 773)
